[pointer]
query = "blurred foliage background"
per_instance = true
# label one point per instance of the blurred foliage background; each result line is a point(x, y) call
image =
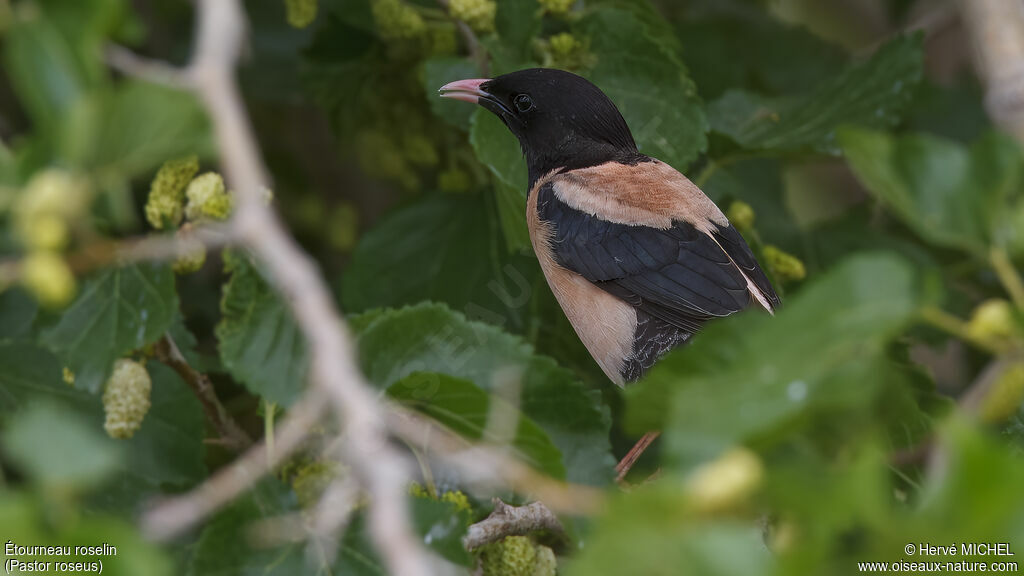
point(847, 139)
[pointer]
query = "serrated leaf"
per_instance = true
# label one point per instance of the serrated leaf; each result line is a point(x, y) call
point(750, 375)
point(466, 410)
point(950, 195)
point(118, 311)
point(648, 83)
point(444, 248)
point(873, 93)
point(436, 73)
point(432, 338)
point(259, 341)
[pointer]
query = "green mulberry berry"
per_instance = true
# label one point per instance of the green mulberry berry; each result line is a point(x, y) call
point(166, 193)
point(565, 51)
point(310, 481)
point(44, 232)
point(47, 276)
point(126, 398)
point(301, 13)
point(726, 482)
point(992, 320)
point(478, 14)
point(741, 215)
point(458, 499)
point(396, 20)
point(68, 376)
point(53, 192)
point(556, 6)
point(513, 556)
point(207, 198)
point(785, 266)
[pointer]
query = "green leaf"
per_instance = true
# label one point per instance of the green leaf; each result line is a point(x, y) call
point(442, 526)
point(436, 73)
point(467, 410)
point(58, 447)
point(516, 23)
point(135, 128)
point(259, 341)
point(872, 94)
point(749, 376)
point(444, 248)
point(647, 532)
point(118, 311)
point(44, 71)
point(498, 149)
point(648, 83)
point(432, 338)
point(950, 195)
point(774, 57)
point(225, 548)
point(17, 313)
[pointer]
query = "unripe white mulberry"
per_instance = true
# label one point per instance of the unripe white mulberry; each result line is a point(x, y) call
point(785, 266)
point(396, 20)
point(726, 482)
point(47, 276)
point(164, 207)
point(556, 6)
point(194, 255)
point(992, 320)
point(126, 398)
point(478, 14)
point(208, 199)
point(301, 13)
point(741, 215)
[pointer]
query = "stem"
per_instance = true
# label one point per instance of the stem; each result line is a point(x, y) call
point(1008, 275)
point(269, 411)
point(946, 322)
point(232, 435)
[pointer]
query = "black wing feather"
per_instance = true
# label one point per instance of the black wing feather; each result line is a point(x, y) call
point(680, 276)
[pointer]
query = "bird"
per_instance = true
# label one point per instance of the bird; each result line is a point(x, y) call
point(638, 257)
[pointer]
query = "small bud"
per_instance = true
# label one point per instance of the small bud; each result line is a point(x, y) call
point(478, 14)
point(126, 398)
point(726, 482)
point(301, 13)
point(1005, 396)
point(741, 215)
point(48, 278)
point(785, 266)
point(557, 7)
point(68, 376)
point(208, 199)
point(992, 320)
point(166, 193)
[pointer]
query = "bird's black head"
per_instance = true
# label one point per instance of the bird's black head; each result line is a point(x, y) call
point(561, 119)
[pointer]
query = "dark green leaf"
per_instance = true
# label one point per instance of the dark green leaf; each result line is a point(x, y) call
point(517, 23)
point(950, 195)
point(436, 73)
point(432, 338)
point(467, 410)
point(118, 311)
point(873, 93)
point(442, 526)
point(445, 248)
point(260, 344)
point(498, 149)
point(647, 81)
point(17, 312)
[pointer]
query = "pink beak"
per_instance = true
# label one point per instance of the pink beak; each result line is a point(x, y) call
point(465, 90)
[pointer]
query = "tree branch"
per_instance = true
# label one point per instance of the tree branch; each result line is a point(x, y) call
point(232, 436)
point(508, 520)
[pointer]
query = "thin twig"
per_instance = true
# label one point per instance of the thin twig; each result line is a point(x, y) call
point(508, 520)
point(232, 435)
point(155, 71)
point(376, 465)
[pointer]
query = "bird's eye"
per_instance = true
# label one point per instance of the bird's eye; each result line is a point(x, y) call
point(523, 103)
